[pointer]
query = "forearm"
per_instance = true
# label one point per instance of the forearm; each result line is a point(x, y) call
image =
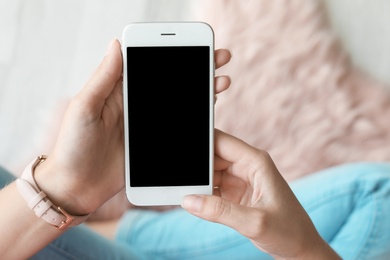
point(23, 233)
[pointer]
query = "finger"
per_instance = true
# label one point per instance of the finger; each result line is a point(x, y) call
point(114, 104)
point(229, 187)
point(245, 220)
point(230, 148)
point(222, 57)
point(118, 93)
point(217, 179)
point(104, 79)
point(217, 192)
point(221, 83)
point(236, 151)
point(220, 164)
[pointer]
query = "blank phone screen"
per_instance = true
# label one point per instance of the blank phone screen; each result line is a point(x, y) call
point(169, 115)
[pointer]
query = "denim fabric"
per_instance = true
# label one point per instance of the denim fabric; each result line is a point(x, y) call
point(81, 242)
point(349, 205)
point(5, 177)
point(176, 234)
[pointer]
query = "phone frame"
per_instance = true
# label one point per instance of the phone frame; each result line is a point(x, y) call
point(167, 34)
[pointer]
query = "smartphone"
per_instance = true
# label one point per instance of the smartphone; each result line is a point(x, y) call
point(168, 96)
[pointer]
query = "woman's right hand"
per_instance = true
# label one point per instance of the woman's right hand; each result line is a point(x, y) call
point(253, 198)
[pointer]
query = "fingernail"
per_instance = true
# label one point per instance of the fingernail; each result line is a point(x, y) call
point(192, 203)
point(109, 47)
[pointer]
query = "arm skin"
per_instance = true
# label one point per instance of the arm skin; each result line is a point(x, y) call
point(86, 167)
point(253, 198)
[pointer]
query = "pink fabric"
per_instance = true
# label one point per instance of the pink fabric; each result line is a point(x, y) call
point(294, 91)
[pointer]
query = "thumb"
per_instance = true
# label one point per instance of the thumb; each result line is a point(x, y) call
point(105, 77)
point(216, 209)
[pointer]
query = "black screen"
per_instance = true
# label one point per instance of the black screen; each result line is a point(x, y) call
point(169, 117)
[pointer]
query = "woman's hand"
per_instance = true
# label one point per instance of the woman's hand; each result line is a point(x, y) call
point(221, 83)
point(86, 167)
point(84, 170)
point(252, 197)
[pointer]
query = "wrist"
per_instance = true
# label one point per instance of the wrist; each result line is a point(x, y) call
point(62, 192)
point(318, 249)
point(38, 201)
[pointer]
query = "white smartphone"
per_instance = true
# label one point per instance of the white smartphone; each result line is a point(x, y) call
point(168, 95)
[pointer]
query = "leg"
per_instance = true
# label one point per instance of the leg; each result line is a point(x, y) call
point(82, 243)
point(350, 206)
point(176, 234)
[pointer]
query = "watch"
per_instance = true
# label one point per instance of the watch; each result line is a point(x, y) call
point(40, 203)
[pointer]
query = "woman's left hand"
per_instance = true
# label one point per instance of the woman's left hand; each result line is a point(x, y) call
point(86, 167)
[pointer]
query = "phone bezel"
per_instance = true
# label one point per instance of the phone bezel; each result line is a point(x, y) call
point(167, 34)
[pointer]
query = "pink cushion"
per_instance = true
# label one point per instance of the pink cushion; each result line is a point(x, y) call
point(294, 91)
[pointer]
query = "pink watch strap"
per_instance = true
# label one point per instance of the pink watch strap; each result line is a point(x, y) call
point(40, 204)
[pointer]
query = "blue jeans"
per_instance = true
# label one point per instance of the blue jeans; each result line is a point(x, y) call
point(349, 205)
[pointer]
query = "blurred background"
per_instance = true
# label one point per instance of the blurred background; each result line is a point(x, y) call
point(49, 48)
